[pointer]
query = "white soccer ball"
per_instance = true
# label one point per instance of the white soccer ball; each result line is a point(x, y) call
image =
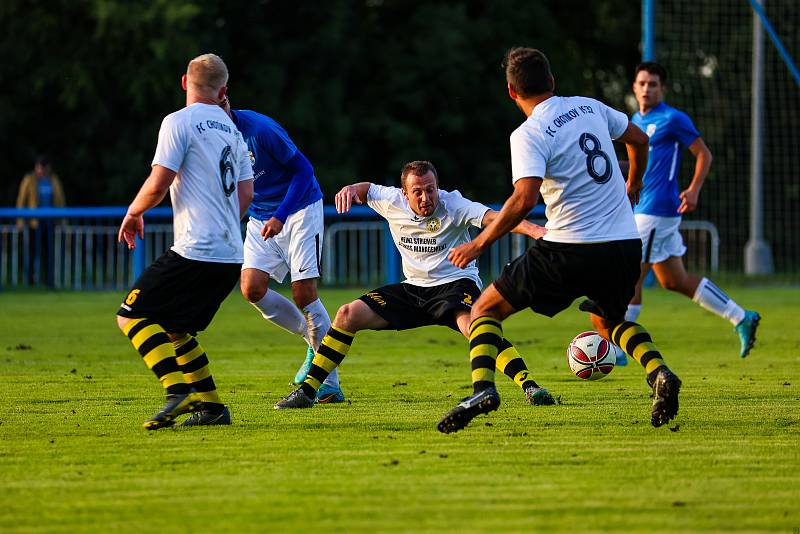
point(590, 356)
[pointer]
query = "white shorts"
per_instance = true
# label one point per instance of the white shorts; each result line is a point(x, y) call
point(296, 250)
point(660, 237)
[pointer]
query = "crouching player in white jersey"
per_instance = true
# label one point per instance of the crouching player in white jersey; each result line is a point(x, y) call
point(591, 248)
point(201, 159)
point(284, 236)
point(425, 223)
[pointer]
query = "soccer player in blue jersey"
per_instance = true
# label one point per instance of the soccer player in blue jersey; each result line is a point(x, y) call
point(661, 204)
point(284, 236)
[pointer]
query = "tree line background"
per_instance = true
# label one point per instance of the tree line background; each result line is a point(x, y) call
point(362, 86)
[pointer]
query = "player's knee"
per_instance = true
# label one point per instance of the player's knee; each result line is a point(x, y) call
point(253, 292)
point(122, 322)
point(304, 292)
point(346, 317)
point(671, 284)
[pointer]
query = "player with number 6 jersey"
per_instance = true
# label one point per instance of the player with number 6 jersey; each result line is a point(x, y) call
point(201, 159)
point(592, 248)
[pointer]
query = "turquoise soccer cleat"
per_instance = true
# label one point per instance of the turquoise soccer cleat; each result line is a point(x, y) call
point(622, 358)
point(747, 331)
point(302, 373)
point(329, 395)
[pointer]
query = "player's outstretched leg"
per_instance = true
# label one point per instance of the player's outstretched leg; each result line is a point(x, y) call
point(513, 366)
point(332, 350)
point(158, 353)
point(715, 300)
point(485, 339)
point(637, 343)
point(193, 363)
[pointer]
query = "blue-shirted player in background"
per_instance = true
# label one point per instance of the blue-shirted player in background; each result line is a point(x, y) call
point(661, 204)
point(284, 236)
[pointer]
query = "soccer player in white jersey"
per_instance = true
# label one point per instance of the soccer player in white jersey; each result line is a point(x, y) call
point(425, 223)
point(592, 248)
point(658, 214)
point(201, 159)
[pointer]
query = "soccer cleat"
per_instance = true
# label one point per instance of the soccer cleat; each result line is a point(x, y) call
point(622, 358)
point(208, 418)
point(177, 404)
point(302, 373)
point(485, 401)
point(295, 399)
point(329, 395)
point(747, 331)
point(666, 387)
point(539, 397)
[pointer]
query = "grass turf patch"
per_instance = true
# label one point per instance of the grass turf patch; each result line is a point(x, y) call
point(73, 455)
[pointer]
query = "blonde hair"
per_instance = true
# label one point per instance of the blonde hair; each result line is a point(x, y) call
point(207, 74)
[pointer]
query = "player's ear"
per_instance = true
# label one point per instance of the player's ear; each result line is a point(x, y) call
point(511, 92)
point(183, 82)
point(222, 92)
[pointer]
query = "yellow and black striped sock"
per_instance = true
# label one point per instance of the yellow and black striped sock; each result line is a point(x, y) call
point(193, 363)
point(511, 363)
point(485, 338)
point(158, 353)
point(634, 339)
point(331, 352)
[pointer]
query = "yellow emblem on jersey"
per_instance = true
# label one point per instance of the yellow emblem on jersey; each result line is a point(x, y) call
point(467, 299)
point(433, 225)
point(132, 297)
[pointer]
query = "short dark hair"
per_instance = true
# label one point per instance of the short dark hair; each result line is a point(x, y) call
point(653, 68)
point(528, 71)
point(43, 160)
point(417, 168)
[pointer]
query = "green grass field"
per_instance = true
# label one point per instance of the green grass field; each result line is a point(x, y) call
point(73, 455)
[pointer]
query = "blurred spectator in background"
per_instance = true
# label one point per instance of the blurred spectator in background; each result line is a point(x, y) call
point(40, 188)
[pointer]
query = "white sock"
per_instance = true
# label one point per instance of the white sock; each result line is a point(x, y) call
point(318, 322)
point(278, 309)
point(633, 312)
point(712, 298)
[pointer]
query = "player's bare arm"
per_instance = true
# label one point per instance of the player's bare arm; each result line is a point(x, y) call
point(152, 192)
point(349, 194)
point(515, 209)
point(702, 165)
point(637, 144)
point(244, 191)
point(524, 227)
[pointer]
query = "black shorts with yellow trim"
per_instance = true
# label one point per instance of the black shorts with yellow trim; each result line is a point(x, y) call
point(180, 294)
point(550, 276)
point(406, 306)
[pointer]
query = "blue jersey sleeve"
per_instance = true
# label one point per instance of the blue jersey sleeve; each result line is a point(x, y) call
point(683, 129)
point(302, 176)
point(277, 142)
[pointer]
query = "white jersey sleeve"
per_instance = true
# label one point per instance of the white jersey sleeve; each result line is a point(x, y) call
point(529, 154)
point(173, 143)
point(380, 197)
point(617, 121)
point(465, 212)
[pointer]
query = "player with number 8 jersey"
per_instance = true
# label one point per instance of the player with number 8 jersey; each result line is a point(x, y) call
point(591, 248)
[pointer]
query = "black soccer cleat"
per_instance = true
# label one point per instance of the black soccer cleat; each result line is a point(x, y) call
point(203, 417)
point(666, 387)
point(176, 404)
point(295, 399)
point(485, 401)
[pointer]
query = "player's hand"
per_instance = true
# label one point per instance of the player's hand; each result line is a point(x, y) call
point(132, 225)
point(462, 255)
point(271, 228)
point(536, 231)
point(345, 198)
point(633, 189)
point(688, 201)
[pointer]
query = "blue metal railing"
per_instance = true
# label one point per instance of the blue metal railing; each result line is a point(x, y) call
point(76, 248)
